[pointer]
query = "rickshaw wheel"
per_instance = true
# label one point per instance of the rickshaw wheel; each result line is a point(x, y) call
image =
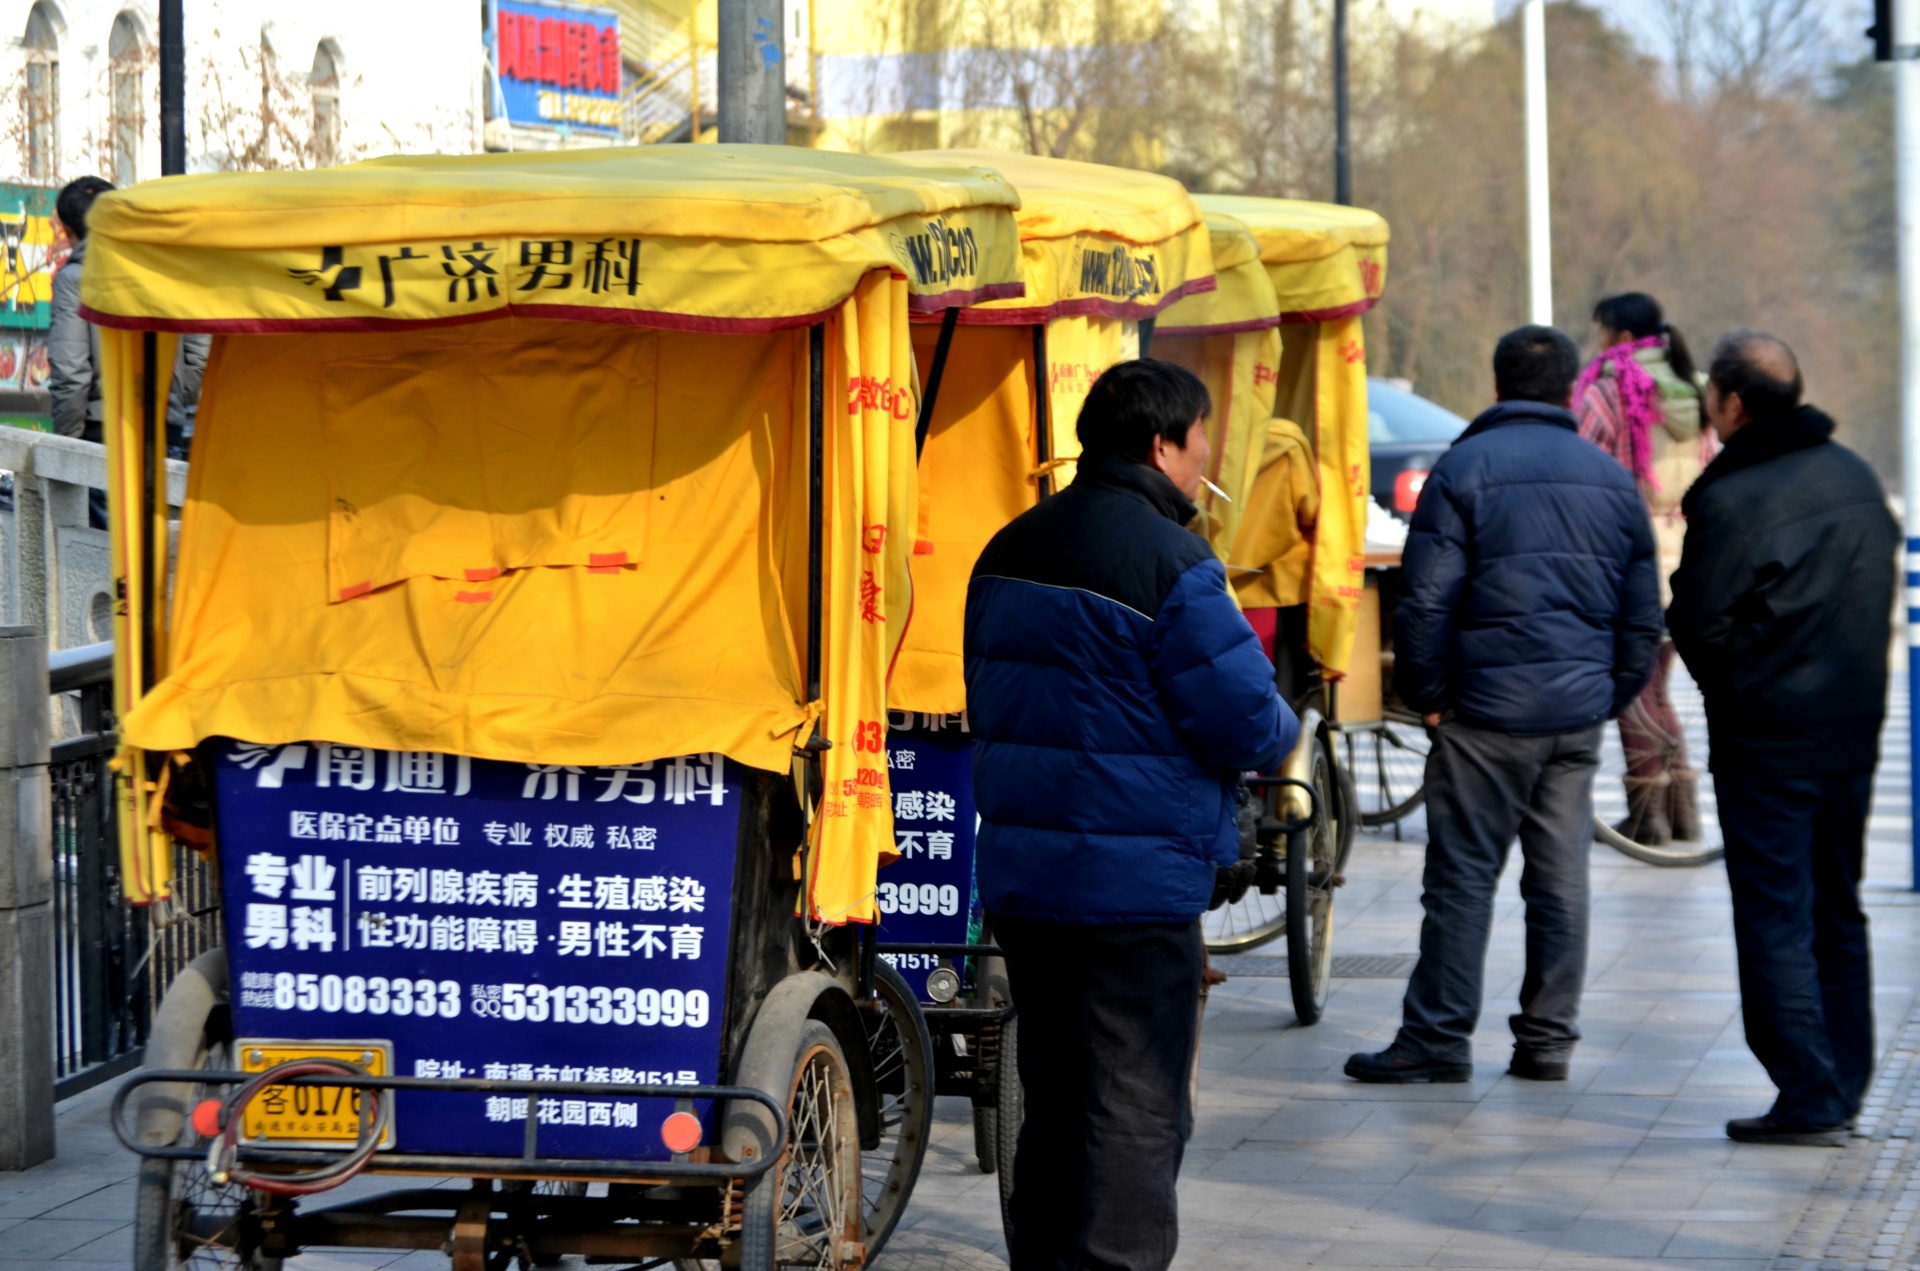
point(1388, 763)
point(1312, 865)
point(993, 993)
point(902, 1051)
point(806, 1210)
point(182, 1219)
point(1009, 1115)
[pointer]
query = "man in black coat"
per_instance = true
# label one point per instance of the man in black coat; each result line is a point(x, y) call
point(1782, 609)
point(1529, 615)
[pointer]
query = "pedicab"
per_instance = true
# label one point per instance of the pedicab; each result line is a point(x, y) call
point(524, 659)
point(1105, 250)
point(1297, 562)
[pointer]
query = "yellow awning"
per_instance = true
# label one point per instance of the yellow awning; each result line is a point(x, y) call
point(701, 238)
point(1242, 299)
point(1097, 241)
point(1326, 261)
point(534, 540)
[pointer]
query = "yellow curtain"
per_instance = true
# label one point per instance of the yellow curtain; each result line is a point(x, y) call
point(976, 474)
point(1240, 371)
point(695, 644)
point(1340, 446)
point(1078, 350)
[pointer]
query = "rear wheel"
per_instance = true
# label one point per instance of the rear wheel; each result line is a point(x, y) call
point(993, 992)
point(902, 1052)
point(1676, 853)
point(1388, 764)
point(182, 1219)
point(1312, 866)
point(806, 1210)
point(1010, 1112)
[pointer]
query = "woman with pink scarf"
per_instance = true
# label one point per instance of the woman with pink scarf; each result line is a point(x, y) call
point(1640, 402)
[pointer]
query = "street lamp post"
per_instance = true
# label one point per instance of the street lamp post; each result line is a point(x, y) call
point(1539, 212)
point(1342, 110)
point(1898, 44)
point(173, 89)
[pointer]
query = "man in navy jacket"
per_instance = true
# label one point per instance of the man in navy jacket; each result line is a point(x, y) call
point(1116, 694)
point(1529, 615)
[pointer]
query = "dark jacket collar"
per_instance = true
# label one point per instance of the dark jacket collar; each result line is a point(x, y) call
point(1113, 472)
point(1800, 429)
point(1504, 413)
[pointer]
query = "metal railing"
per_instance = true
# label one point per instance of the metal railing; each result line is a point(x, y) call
point(112, 962)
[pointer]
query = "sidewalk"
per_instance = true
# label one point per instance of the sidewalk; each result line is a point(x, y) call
point(1626, 1166)
point(1292, 1165)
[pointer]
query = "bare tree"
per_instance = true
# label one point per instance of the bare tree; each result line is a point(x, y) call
point(1743, 48)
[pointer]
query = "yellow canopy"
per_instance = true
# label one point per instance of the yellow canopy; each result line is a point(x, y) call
point(1102, 247)
point(1328, 265)
point(1097, 241)
point(1326, 261)
point(536, 540)
point(700, 238)
point(1229, 337)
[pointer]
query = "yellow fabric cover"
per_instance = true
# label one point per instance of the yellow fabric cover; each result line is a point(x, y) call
point(1095, 239)
point(1325, 260)
point(699, 647)
point(1274, 546)
point(1239, 370)
point(1340, 535)
point(976, 475)
point(701, 237)
point(1079, 348)
point(1242, 299)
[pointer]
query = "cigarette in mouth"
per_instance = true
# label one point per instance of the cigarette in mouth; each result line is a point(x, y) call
point(1216, 489)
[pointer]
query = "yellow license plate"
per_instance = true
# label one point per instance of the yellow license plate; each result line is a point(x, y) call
point(309, 1115)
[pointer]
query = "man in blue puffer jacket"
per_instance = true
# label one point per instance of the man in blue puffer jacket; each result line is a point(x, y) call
point(1529, 615)
point(1116, 693)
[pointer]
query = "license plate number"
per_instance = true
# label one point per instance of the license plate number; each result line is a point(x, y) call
point(312, 1115)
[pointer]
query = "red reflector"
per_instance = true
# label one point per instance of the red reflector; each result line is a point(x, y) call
point(681, 1132)
point(206, 1118)
point(1407, 487)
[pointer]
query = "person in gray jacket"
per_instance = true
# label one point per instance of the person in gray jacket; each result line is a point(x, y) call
point(73, 347)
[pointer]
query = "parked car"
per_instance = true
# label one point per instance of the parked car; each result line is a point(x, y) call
point(1406, 435)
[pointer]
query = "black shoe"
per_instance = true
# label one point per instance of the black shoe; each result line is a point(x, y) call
point(1400, 1066)
point(1767, 1130)
point(1532, 1067)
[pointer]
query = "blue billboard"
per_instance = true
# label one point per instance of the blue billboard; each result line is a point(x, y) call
point(558, 65)
point(472, 918)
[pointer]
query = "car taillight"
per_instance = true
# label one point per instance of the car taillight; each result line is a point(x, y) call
point(1407, 487)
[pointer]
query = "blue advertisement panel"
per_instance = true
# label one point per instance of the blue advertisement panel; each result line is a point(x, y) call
point(527, 922)
point(559, 64)
point(927, 896)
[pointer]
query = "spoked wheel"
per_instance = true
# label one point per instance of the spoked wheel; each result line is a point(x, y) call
point(1673, 854)
point(992, 992)
point(1388, 764)
point(1010, 1113)
point(1312, 870)
point(902, 1052)
point(182, 1219)
point(806, 1210)
point(1247, 923)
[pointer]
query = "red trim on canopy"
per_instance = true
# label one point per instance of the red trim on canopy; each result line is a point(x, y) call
point(1028, 315)
point(1301, 316)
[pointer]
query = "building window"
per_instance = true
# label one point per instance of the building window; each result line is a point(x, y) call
point(324, 83)
point(126, 75)
point(43, 95)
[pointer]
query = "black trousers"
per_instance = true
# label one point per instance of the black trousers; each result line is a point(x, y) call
point(1109, 1017)
point(1794, 848)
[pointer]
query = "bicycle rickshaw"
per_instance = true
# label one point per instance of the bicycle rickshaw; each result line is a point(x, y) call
point(1104, 251)
point(1296, 559)
point(537, 581)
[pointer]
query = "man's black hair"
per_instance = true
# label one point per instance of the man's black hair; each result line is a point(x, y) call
point(76, 200)
point(1535, 364)
point(1134, 402)
point(1761, 369)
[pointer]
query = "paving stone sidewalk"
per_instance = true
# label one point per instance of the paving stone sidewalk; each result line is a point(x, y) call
point(1292, 1165)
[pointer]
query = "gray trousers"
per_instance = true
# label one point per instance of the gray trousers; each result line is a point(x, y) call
point(1483, 789)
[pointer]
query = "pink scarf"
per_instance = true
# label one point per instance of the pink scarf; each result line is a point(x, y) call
point(1639, 397)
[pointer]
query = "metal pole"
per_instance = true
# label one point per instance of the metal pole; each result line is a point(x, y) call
point(1539, 214)
point(173, 89)
point(1342, 110)
point(1906, 144)
point(753, 71)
